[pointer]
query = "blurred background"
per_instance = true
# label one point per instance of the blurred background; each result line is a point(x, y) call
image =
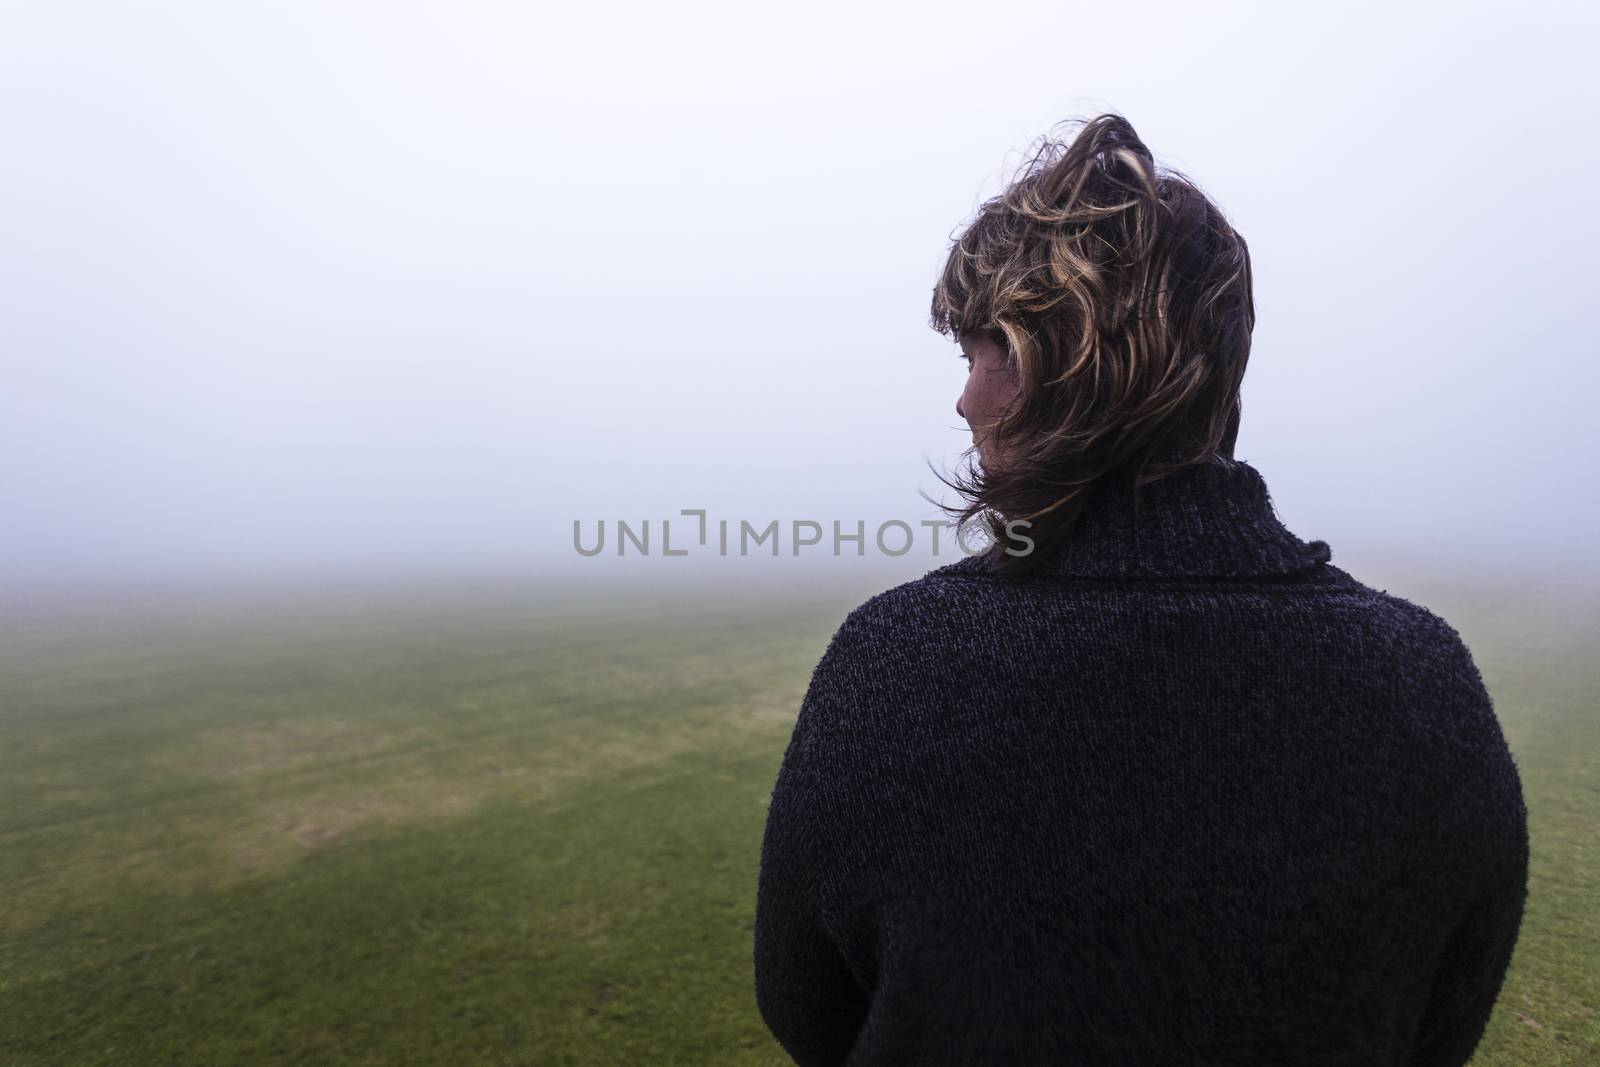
point(324, 325)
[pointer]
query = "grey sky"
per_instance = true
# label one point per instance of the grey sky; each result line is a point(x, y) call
point(337, 286)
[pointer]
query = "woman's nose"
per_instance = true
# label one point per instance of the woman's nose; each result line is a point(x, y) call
point(959, 410)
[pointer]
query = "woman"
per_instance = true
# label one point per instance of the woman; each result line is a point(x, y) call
point(1155, 783)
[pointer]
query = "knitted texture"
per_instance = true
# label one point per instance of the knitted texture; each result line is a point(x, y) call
point(1193, 795)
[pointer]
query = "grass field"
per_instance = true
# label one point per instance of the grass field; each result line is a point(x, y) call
point(516, 832)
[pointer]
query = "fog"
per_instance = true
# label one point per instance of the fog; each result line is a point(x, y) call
point(333, 289)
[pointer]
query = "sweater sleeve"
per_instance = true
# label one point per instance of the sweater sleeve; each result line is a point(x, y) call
point(805, 990)
point(1473, 963)
point(1468, 982)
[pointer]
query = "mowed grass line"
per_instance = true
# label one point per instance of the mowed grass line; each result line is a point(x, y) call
point(523, 840)
point(614, 930)
point(512, 835)
point(1540, 659)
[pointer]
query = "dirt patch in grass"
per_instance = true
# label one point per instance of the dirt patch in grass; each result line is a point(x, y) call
point(274, 792)
point(247, 750)
point(285, 829)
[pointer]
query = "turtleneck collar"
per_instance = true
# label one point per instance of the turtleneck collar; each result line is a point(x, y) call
point(1214, 520)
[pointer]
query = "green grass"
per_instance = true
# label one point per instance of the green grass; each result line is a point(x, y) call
point(452, 833)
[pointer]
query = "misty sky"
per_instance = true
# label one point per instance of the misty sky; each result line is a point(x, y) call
point(319, 286)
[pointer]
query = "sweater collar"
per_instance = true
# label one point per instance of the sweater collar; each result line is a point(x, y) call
point(1214, 520)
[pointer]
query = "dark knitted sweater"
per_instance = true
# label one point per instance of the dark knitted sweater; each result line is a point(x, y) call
point(1193, 796)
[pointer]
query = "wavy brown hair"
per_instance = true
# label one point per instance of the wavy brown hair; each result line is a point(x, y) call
point(1123, 300)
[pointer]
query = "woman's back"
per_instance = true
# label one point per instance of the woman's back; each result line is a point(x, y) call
point(1188, 794)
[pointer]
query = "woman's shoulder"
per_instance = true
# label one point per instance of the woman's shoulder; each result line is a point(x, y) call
point(947, 611)
point(897, 652)
point(930, 612)
point(967, 579)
